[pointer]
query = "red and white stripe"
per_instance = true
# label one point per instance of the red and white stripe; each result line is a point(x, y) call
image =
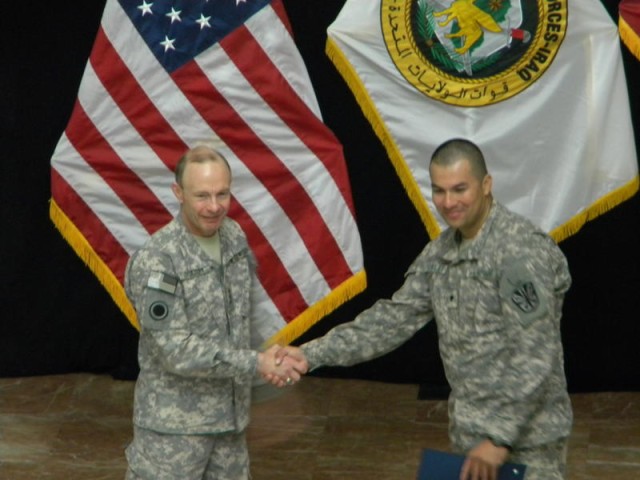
point(249, 95)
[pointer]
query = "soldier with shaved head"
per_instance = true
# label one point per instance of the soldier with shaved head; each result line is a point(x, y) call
point(495, 284)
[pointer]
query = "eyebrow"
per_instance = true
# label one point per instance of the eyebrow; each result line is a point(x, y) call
point(457, 185)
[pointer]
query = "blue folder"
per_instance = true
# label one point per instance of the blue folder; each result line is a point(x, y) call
point(437, 465)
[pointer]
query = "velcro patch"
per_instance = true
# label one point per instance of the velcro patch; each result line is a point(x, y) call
point(159, 310)
point(520, 290)
point(163, 282)
point(526, 298)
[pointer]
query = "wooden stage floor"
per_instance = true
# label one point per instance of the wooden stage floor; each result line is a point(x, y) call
point(76, 426)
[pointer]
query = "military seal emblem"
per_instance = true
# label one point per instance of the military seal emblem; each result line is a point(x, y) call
point(473, 53)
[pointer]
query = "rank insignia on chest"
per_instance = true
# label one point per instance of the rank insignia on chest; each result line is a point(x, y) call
point(163, 282)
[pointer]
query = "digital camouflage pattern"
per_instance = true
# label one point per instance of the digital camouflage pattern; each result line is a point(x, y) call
point(196, 365)
point(497, 302)
point(158, 456)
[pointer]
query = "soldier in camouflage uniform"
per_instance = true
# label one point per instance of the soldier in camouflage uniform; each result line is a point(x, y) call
point(495, 285)
point(190, 285)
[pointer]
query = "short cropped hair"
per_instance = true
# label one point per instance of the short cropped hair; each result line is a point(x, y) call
point(457, 149)
point(199, 154)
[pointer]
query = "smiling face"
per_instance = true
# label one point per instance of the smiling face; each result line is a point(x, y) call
point(204, 196)
point(462, 198)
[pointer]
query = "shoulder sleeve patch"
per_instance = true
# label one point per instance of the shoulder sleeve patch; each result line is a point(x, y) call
point(525, 297)
point(157, 301)
point(519, 290)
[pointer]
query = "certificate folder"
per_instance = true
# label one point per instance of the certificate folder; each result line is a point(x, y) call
point(437, 465)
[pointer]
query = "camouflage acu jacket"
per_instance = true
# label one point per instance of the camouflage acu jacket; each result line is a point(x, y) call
point(196, 367)
point(497, 304)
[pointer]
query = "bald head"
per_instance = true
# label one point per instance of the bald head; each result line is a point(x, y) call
point(199, 154)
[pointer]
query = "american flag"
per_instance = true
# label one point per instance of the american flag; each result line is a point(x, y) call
point(629, 25)
point(165, 75)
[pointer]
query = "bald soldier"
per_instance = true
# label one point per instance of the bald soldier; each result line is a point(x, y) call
point(495, 284)
point(190, 285)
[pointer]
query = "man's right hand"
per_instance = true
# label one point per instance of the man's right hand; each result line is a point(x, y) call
point(282, 366)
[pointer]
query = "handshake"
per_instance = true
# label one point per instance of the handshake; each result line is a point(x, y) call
point(282, 366)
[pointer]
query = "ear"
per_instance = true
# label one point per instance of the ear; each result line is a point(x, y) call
point(177, 191)
point(487, 184)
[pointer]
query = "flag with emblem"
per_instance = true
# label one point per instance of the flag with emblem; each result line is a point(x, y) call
point(538, 85)
point(165, 75)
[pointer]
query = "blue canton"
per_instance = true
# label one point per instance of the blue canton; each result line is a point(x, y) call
point(176, 31)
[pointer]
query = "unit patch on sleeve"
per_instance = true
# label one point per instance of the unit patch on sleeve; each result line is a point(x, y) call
point(159, 301)
point(159, 310)
point(521, 293)
point(525, 297)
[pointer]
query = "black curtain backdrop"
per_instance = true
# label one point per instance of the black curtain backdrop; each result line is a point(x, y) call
point(57, 318)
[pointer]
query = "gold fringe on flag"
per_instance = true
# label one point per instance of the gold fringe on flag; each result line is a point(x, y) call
point(88, 255)
point(371, 113)
point(299, 325)
point(602, 205)
point(629, 37)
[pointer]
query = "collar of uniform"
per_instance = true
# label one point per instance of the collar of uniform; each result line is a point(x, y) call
point(229, 244)
point(453, 238)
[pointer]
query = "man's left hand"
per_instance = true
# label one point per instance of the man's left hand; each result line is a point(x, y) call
point(483, 461)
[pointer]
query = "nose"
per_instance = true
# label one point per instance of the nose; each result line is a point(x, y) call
point(213, 204)
point(447, 200)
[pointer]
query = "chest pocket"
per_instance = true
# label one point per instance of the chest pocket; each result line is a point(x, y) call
point(238, 287)
point(467, 301)
point(449, 300)
point(204, 302)
point(487, 315)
